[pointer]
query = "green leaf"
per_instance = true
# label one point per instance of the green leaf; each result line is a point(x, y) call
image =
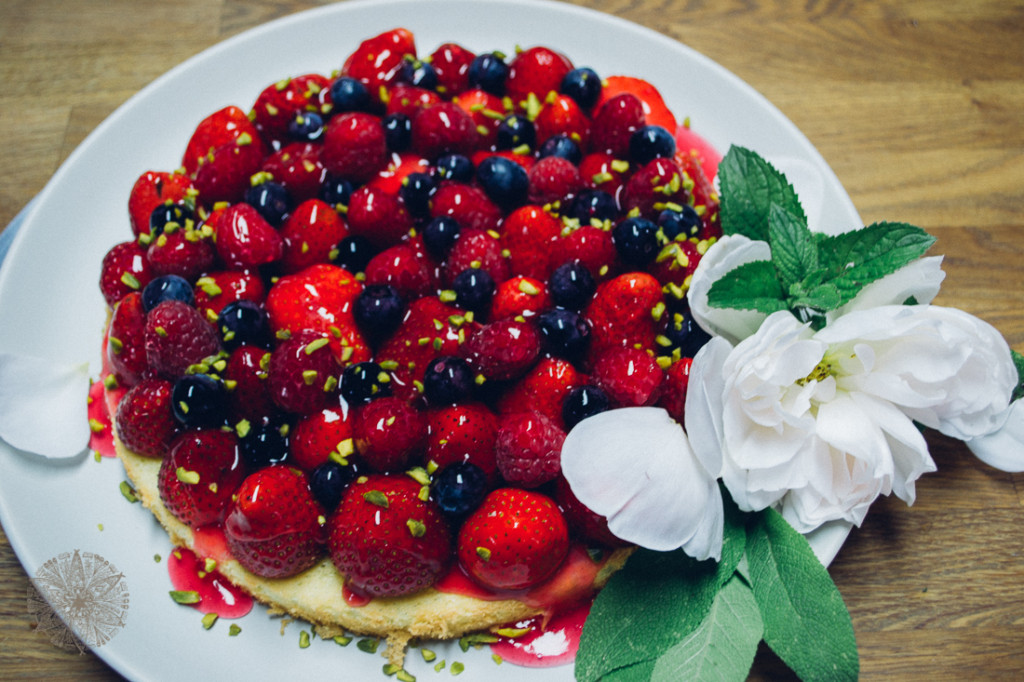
point(657, 599)
point(805, 620)
point(635, 672)
point(724, 645)
point(750, 185)
point(857, 258)
point(751, 286)
point(794, 251)
point(1018, 361)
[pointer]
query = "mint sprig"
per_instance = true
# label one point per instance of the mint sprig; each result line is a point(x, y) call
point(809, 273)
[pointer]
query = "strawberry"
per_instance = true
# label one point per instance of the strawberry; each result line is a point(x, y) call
point(400, 166)
point(536, 71)
point(310, 235)
point(451, 64)
point(487, 111)
point(705, 197)
point(409, 100)
point(629, 376)
point(690, 144)
point(152, 189)
point(543, 389)
point(480, 249)
point(528, 449)
point(378, 215)
point(403, 268)
point(467, 204)
point(614, 123)
point(245, 239)
point(277, 105)
point(220, 129)
point(561, 115)
point(224, 175)
point(303, 373)
point(183, 252)
point(514, 540)
point(176, 337)
point(583, 521)
point(272, 525)
point(249, 398)
point(387, 431)
point(378, 60)
point(461, 433)
point(320, 298)
point(144, 420)
point(216, 289)
point(674, 266)
point(654, 108)
point(354, 147)
point(298, 168)
point(444, 128)
point(623, 312)
point(654, 185)
point(604, 172)
point(126, 348)
point(590, 245)
point(319, 436)
point(673, 395)
point(386, 540)
point(124, 269)
point(520, 296)
point(504, 349)
point(529, 233)
point(199, 475)
point(554, 179)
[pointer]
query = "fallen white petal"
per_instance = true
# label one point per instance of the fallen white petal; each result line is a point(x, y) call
point(43, 406)
point(635, 467)
point(1004, 449)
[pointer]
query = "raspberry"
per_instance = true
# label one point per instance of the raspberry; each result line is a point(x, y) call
point(528, 449)
point(504, 349)
point(176, 337)
point(144, 420)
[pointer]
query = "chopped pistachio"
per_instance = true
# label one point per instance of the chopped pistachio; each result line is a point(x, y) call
point(416, 528)
point(303, 639)
point(342, 640)
point(234, 630)
point(185, 596)
point(428, 655)
point(186, 476)
point(368, 644)
point(376, 497)
point(128, 492)
point(208, 620)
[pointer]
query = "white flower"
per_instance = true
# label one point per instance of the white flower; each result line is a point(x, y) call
point(822, 423)
point(635, 467)
point(1004, 447)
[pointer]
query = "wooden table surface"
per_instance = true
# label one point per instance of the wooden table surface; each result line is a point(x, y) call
point(917, 106)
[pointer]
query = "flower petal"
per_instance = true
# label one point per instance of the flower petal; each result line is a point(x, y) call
point(919, 280)
point(43, 406)
point(727, 253)
point(635, 467)
point(1003, 449)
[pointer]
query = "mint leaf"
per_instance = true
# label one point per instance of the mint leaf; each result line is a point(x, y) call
point(855, 259)
point(1018, 361)
point(751, 286)
point(794, 251)
point(750, 185)
point(635, 672)
point(724, 645)
point(647, 607)
point(805, 620)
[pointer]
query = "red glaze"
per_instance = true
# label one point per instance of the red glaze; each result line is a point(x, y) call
point(545, 644)
point(216, 594)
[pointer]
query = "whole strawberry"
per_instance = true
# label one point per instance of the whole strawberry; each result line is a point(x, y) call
point(386, 540)
point(273, 524)
point(177, 336)
point(387, 431)
point(126, 349)
point(528, 449)
point(144, 420)
point(319, 436)
point(124, 270)
point(303, 374)
point(199, 475)
point(245, 239)
point(629, 376)
point(514, 540)
point(462, 433)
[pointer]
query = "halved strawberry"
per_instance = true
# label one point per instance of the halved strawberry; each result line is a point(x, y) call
point(616, 120)
point(378, 215)
point(409, 100)
point(183, 252)
point(631, 377)
point(444, 128)
point(249, 396)
point(389, 180)
point(592, 246)
point(468, 204)
point(520, 297)
point(487, 111)
point(529, 234)
point(451, 64)
point(221, 128)
point(297, 166)
point(401, 267)
point(126, 346)
point(124, 269)
point(654, 186)
point(561, 115)
point(199, 475)
point(302, 375)
point(673, 395)
point(387, 432)
point(354, 147)
point(215, 290)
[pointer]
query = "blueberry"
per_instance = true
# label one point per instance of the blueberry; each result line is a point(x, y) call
point(636, 241)
point(363, 382)
point(167, 288)
point(455, 167)
point(415, 191)
point(515, 131)
point(166, 214)
point(354, 253)
point(488, 72)
point(571, 285)
point(583, 402)
point(686, 222)
point(649, 143)
point(564, 332)
point(504, 181)
point(397, 132)
point(583, 85)
point(271, 200)
point(683, 335)
point(419, 74)
point(307, 126)
point(561, 145)
point(328, 481)
point(378, 310)
point(244, 323)
point(474, 289)
point(348, 94)
point(336, 191)
point(266, 442)
point(439, 235)
point(593, 204)
point(198, 401)
point(447, 380)
point(459, 488)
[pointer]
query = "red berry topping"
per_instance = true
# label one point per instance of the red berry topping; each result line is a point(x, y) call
point(354, 146)
point(673, 395)
point(520, 296)
point(444, 128)
point(152, 189)
point(536, 71)
point(655, 111)
point(199, 475)
point(615, 122)
point(543, 389)
point(583, 521)
point(279, 103)
point(504, 349)
point(451, 64)
point(249, 398)
point(387, 538)
point(216, 289)
point(319, 435)
point(176, 337)
point(126, 346)
point(245, 239)
point(528, 449)
point(378, 60)
point(530, 233)
point(387, 432)
point(182, 252)
point(461, 433)
point(378, 215)
point(124, 270)
point(629, 376)
point(298, 168)
point(144, 420)
point(514, 540)
point(623, 312)
point(310, 235)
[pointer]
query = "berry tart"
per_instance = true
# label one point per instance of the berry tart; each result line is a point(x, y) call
point(349, 335)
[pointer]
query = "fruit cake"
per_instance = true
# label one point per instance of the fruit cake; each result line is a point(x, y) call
point(350, 333)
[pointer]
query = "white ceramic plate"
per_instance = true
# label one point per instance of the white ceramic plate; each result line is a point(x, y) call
point(50, 305)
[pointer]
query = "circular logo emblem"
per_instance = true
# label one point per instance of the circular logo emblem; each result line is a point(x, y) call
point(79, 599)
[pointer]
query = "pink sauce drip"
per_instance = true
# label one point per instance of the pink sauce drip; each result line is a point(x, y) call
point(101, 441)
point(353, 599)
point(216, 594)
point(545, 646)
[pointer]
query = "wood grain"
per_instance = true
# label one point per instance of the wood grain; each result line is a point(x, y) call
point(917, 106)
